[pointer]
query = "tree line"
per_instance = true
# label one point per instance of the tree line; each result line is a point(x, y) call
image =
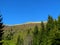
point(48, 34)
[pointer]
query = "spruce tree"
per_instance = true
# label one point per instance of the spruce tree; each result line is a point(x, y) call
point(49, 30)
point(1, 31)
point(42, 26)
point(35, 30)
point(55, 23)
point(57, 34)
point(50, 24)
point(53, 33)
point(35, 36)
point(58, 22)
point(43, 34)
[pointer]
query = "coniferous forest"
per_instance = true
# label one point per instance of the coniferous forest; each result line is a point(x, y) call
point(47, 33)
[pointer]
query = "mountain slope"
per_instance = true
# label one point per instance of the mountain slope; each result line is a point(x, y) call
point(22, 26)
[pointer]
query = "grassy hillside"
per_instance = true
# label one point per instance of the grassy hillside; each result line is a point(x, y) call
point(32, 34)
point(21, 30)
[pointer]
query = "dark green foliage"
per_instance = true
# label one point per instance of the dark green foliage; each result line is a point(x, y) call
point(58, 22)
point(50, 23)
point(57, 34)
point(42, 34)
point(43, 31)
point(56, 39)
point(42, 26)
point(55, 22)
point(1, 31)
point(35, 30)
point(36, 36)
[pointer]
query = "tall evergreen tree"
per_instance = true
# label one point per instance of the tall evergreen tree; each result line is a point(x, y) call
point(42, 26)
point(35, 36)
point(57, 34)
point(49, 30)
point(35, 30)
point(43, 34)
point(58, 22)
point(50, 24)
point(1, 31)
point(52, 34)
point(55, 23)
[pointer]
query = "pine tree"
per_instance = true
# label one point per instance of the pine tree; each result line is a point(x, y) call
point(42, 27)
point(58, 22)
point(57, 34)
point(43, 34)
point(49, 30)
point(36, 36)
point(1, 31)
point(52, 35)
point(50, 24)
point(55, 23)
point(35, 30)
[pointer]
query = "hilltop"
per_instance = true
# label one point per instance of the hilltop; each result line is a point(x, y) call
point(22, 26)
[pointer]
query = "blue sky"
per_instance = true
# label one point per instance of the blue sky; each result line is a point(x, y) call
point(21, 11)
